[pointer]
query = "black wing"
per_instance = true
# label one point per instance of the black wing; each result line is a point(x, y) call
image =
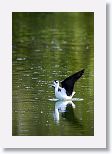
point(69, 82)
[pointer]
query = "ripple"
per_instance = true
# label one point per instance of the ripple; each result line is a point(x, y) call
point(20, 59)
point(28, 87)
point(26, 75)
point(35, 72)
point(36, 98)
point(34, 78)
point(73, 99)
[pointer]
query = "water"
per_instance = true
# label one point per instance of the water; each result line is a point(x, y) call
point(45, 47)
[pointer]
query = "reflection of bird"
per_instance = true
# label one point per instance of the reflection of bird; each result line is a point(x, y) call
point(66, 91)
point(60, 106)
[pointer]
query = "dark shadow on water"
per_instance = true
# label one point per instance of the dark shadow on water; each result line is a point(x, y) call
point(70, 116)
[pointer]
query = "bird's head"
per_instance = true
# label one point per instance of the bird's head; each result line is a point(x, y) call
point(55, 83)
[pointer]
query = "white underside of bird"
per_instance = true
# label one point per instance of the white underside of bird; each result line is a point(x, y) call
point(60, 93)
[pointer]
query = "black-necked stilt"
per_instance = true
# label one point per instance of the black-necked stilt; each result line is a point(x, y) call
point(66, 91)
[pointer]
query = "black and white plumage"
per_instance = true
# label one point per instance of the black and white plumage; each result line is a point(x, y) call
point(66, 91)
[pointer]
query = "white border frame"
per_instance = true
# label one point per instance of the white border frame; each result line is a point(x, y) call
point(99, 138)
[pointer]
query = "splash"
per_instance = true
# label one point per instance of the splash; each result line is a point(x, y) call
point(73, 99)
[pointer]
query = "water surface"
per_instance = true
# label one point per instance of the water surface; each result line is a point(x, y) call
point(45, 47)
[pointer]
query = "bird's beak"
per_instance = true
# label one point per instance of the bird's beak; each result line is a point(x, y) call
point(53, 85)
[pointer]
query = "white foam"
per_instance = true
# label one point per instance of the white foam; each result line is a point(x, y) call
point(73, 99)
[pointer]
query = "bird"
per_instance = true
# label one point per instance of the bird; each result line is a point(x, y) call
point(65, 92)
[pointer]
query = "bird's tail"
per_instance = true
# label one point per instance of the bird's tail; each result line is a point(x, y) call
point(73, 93)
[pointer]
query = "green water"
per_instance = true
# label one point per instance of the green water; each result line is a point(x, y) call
point(45, 47)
